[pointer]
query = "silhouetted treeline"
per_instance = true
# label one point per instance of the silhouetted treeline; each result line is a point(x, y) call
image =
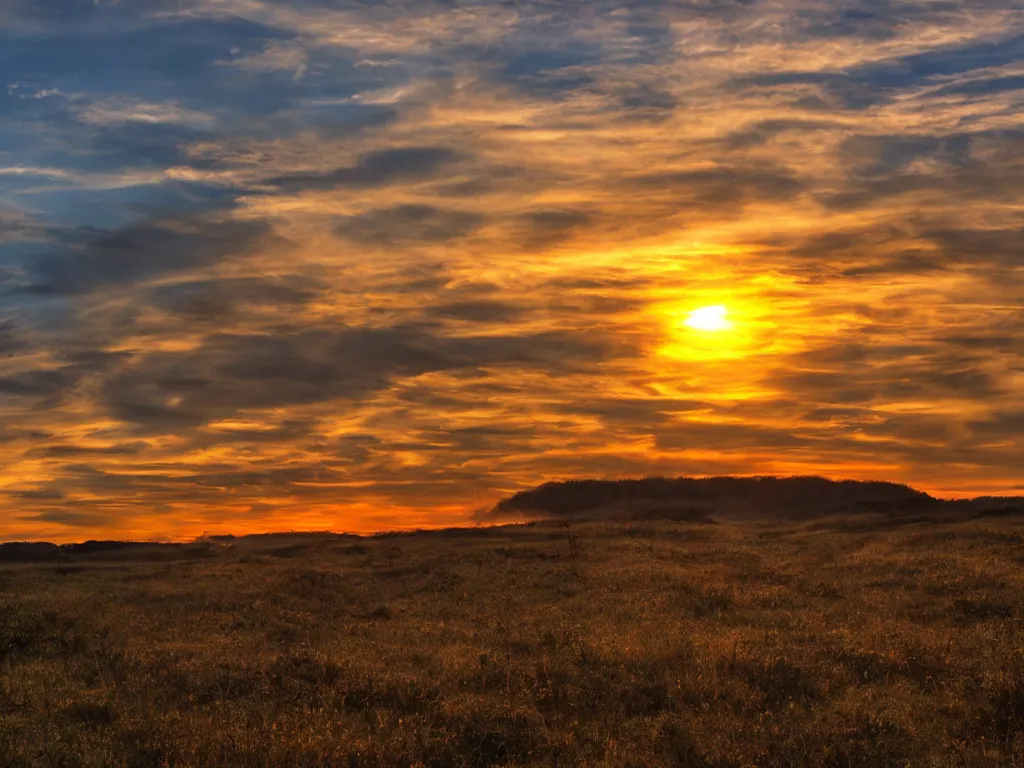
point(27, 552)
point(33, 552)
point(697, 498)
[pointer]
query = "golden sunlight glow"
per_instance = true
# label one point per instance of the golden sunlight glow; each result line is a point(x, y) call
point(712, 319)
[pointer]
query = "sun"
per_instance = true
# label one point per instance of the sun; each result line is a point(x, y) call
point(710, 319)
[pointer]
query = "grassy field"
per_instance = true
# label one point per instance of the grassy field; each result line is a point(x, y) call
point(854, 642)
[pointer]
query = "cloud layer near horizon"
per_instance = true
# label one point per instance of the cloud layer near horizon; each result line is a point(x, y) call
point(362, 265)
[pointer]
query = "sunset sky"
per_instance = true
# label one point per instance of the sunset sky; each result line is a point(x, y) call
point(345, 265)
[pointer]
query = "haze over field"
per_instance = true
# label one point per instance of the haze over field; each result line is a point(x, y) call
point(352, 265)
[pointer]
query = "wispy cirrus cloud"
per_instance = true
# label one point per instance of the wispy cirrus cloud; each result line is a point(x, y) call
point(119, 111)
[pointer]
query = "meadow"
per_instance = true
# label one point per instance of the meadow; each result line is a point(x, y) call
point(855, 641)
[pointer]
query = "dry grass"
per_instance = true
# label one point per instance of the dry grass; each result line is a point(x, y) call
point(637, 645)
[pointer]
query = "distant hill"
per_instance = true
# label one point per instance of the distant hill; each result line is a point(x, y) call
point(116, 551)
point(706, 498)
point(697, 499)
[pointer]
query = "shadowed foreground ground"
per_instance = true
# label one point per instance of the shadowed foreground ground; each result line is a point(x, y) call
point(641, 644)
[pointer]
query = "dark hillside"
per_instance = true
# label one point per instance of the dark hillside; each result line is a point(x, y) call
point(689, 498)
point(993, 505)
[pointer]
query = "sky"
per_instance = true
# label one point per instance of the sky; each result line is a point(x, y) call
point(328, 264)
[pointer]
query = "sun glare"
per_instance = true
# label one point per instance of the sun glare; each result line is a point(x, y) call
point(711, 319)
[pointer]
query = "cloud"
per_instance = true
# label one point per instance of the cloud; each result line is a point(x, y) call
point(226, 299)
point(119, 110)
point(409, 224)
point(547, 228)
point(41, 389)
point(231, 373)
point(10, 340)
point(904, 264)
point(276, 57)
point(719, 189)
point(375, 169)
point(765, 131)
point(17, 225)
point(978, 247)
point(880, 80)
point(92, 261)
point(479, 311)
point(64, 451)
point(1005, 425)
